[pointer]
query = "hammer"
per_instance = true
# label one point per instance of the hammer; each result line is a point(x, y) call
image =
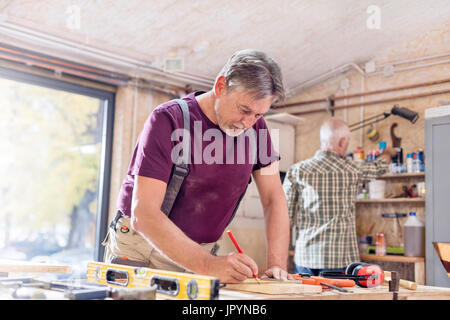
point(403, 283)
point(394, 284)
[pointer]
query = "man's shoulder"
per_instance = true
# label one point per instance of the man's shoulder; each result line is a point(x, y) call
point(305, 166)
point(170, 107)
point(168, 112)
point(319, 164)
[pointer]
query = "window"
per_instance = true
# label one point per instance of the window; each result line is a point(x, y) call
point(55, 146)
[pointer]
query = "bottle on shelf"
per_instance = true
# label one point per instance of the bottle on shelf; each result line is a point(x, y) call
point(358, 155)
point(409, 162)
point(380, 244)
point(416, 163)
point(421, 157)
point(382, 146)
point(414, 236)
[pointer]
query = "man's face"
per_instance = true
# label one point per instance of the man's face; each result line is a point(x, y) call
point(237, 110)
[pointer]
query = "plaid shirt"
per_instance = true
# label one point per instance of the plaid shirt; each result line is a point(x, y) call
point(321, 193)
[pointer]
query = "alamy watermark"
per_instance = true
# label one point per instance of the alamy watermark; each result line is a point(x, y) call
point(73, 17)
point(373, 22)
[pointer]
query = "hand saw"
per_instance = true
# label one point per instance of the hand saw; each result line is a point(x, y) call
point(324, 282)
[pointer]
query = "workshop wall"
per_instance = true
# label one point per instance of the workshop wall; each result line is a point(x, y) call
point(432, 43)
point(412, 136)
point(307, 139)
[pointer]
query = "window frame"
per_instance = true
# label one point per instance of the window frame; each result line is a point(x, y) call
point(108, 99)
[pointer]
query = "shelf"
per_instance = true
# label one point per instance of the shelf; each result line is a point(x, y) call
point(391, 258)
point(403, 175)
point(393, 200)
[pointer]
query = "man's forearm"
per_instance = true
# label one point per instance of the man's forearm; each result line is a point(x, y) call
point(277, 232)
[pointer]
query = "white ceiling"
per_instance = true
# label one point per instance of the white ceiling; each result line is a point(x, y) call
point(307, 38)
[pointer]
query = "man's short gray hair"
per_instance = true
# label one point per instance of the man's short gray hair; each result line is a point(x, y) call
point(331, 132)
point(255, 72)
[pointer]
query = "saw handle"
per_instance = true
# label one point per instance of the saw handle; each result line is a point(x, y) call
point(306, 279)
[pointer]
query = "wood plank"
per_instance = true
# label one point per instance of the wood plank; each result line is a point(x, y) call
point(419, 272)
point(274, 287)
point(393, 258)
point(393, 200)
point(11, 266)
point(425, 293)
point(356, 293)
point(403, 175)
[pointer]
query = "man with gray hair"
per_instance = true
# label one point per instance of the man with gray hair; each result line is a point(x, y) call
point(183, 238)
point(321, 194)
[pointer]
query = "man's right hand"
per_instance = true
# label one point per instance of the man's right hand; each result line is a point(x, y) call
point(232, 268)
point(389, 153)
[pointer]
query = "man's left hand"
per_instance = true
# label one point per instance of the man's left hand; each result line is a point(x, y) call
point(277, 272)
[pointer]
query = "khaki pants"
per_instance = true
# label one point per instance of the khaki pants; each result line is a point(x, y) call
point(124, 245)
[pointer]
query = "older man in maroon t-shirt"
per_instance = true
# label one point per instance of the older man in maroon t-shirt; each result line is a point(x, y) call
point(223, 157)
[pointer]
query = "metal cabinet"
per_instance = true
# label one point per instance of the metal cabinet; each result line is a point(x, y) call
point(437, 181)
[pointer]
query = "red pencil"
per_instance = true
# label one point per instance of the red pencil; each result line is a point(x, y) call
point(238, 248)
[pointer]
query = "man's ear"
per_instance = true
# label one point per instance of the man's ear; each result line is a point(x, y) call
point(342, 142)
point(220, 86)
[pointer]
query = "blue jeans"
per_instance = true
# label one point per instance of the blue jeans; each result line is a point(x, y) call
point(314, 272)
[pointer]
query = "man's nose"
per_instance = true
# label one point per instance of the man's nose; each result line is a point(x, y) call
point(248, 121)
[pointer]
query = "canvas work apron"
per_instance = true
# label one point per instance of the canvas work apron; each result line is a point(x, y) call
point(124, 245)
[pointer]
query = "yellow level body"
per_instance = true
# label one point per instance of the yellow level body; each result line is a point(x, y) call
point(169, 284)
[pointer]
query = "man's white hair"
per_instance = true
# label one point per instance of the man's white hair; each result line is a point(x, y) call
point(331, 132)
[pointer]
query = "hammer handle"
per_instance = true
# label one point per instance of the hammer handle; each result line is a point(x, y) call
point(403, 283)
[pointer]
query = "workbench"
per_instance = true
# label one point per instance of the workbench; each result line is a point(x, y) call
point(355, 293)
point(378, 293)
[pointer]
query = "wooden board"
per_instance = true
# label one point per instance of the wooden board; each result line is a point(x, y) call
point(392, 200)
point(274, 287)
point(392, 258)
point(355, 293)
point(11, 266)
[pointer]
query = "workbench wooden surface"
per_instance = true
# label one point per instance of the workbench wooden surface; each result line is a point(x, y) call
point(356, 293)
point(13, 266)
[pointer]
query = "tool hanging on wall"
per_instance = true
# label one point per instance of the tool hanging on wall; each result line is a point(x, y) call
point(405, 113)
point(373, 133)
point(169, 284)
point(396, 141)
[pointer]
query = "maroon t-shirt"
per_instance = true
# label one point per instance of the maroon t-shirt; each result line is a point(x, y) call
point(219, 170)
